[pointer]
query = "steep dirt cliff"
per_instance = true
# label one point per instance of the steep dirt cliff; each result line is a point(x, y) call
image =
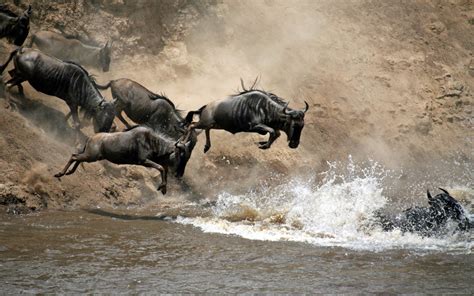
point(386, 81)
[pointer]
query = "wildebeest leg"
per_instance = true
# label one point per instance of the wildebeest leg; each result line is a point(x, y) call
point(263, 129)
point(16, 81)
point(207, 146)
point(68, 164)
point(198, 125)
point(119, 115)
point(67, 116)
point(163, 171)
point(76, 124)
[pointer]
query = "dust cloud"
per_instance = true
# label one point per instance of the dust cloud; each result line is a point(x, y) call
point(387, 82)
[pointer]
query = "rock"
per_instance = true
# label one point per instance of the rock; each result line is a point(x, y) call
point(424, 126)
point(437, 27)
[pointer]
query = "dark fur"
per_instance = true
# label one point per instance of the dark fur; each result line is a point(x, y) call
point(250, 111)
point(430, 220)
point(14, 27)
point(139, 146)
point(149, 109)
point(65, 80)
point(67, 48)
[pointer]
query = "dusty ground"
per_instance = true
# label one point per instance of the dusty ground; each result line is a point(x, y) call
point(389, 81)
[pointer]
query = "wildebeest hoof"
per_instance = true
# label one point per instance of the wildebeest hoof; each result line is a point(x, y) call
point(162, 188)
point(264, 146)
point(206, 148)
point(58, 175)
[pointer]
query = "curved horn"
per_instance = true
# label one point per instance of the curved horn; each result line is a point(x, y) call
point(429, 195)
point(242, 83)
point(306, 107)
point(285, 111)
point(444, 190)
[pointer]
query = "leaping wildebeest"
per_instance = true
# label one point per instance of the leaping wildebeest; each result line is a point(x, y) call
point(14, 27)
point(149, 109)
point(141, 105)
point(65, 80)
point(138, 146)
point(71, 49)
point(251, 110)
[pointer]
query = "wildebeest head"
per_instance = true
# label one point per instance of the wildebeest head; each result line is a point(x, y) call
point(182, 154)
point(444, 207)
point(24, 19)
point(104, 56)
point(295, 123)
point(104, 117)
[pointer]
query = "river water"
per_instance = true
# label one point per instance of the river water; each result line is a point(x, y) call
point(300, 237)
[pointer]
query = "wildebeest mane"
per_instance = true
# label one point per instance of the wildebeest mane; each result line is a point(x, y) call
point(253, 88)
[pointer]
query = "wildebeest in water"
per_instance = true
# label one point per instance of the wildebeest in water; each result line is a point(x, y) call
point(138, 146)
point(65, 80)
point(14, 27)
point(431, 220)
point(251, 110)
point(71, 49)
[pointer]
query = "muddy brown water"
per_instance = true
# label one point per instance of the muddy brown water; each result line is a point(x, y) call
point(84, 252)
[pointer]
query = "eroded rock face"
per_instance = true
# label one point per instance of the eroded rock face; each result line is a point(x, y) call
point(98, 21)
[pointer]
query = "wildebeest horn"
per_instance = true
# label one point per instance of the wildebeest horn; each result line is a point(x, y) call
point(242, 84)
point(444, 190)
point(306, 107)
point(429, 195)
point(285, 111)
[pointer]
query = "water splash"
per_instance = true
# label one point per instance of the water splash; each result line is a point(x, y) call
point(336, 211)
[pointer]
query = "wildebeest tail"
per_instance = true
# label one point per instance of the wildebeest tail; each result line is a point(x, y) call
point(189, 117)
point(103, 87)
point(12, 54)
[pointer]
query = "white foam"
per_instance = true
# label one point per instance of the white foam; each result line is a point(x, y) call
point(336, 212)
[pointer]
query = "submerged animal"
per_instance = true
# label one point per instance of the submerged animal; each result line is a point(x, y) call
point(14, 27)
point(138, 146)
point(254, 111)
point(431, 220)
point(71, 49)
point(65, 80)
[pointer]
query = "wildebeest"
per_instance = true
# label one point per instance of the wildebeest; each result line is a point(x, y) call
point(251, 111)
point(139, 146)
point(430, 220)
point(71, 49)
point(140, 104)
point(65, 80)
point(14, 27)
point(149, 109)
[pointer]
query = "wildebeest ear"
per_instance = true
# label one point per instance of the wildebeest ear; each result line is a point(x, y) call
point(429, 195)
point(444, 190)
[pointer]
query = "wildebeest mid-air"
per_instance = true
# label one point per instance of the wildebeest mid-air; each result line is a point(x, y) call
point(71, 49)
point(151, 110)
point(251, 110)
point(139, 146)
point(14, 27)
point(140, 104)
point(430, 220)
point(65, 80)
